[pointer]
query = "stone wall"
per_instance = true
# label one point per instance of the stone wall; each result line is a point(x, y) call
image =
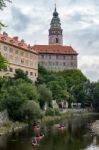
point(3, 117)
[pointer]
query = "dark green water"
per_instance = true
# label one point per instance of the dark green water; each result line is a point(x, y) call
point(77, 136)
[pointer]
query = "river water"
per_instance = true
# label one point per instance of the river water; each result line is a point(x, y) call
point(76, 136)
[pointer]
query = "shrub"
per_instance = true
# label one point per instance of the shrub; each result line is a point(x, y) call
point(30, 111)
point(49, 112)
point(57, 112)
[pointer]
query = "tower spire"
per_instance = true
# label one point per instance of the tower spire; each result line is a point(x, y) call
point(55, 31)
point(55, 5)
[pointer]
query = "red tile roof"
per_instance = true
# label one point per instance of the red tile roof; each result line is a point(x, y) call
point(55, 49)
point(16, 43)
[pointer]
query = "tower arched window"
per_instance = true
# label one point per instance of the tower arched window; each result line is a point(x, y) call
point(57, 40)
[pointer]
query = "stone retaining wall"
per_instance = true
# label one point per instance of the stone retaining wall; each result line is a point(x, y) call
point(4, 117)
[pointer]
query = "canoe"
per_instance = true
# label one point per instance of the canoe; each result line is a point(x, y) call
point(39, 138)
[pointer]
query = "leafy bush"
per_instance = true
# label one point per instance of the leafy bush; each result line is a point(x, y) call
point(52, 112)
point(56, 112)
point(49, 112)
point(30, 110)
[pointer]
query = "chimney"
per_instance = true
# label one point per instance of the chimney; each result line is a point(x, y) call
point(5, 34)
point(15, 38)
point(21, 42)
point(29, 46)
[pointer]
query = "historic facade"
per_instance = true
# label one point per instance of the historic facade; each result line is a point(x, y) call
point(55, 56)
point(19, 56)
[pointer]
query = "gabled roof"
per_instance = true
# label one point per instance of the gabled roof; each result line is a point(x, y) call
point(54, 49)
point(15, 42)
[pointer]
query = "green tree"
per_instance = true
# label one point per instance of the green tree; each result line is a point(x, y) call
point(29, 90)
point(30, 111)
point(12, 99)
point(95, 95)
point(20, 74)
point(3, 3)
point(45, 95)
point(3, 63)
point(59, 91)
point(15, 94)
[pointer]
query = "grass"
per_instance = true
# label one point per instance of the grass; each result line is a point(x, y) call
point(67, 115)
point(10, 126)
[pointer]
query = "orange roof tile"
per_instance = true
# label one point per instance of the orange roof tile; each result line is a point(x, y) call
point(16, 43)
point(55, 49)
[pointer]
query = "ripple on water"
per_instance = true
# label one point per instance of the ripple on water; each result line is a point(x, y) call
point(92, 147)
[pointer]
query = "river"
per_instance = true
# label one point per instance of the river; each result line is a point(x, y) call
point(76, 136)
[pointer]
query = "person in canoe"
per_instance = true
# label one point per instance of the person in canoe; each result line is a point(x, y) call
point(61, 127)
point(39, 137)
point(34, 142)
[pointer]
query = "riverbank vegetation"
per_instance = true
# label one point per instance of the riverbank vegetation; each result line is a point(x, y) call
point(10, 127)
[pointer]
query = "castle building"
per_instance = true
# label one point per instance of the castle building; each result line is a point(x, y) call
point(19, 56)
point(55, 56)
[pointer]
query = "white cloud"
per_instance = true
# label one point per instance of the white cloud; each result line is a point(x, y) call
point(90, 66)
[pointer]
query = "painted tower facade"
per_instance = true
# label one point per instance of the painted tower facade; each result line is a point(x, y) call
point(55, 31)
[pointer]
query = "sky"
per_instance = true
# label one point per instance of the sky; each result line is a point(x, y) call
point(30, 20)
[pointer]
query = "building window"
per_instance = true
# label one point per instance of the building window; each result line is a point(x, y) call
point(31, 56)
point(71, 57)
point(35, 74)
point(71, 64)
point(57, 56)
point(42, 56)
point(64, 64)
point(56, 63)
point(31, 73)
point(27, 72)
point(5, 48)
point(57, 40)
point(10, 69)
point(11, 50)
point(64, 57)
point(16, 51)
point(22, 61)
point(22, 53)
point(49, 56)
point(26, 62)
point(31, 63)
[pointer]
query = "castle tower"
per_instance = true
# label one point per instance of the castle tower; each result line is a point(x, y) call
point(55, 31)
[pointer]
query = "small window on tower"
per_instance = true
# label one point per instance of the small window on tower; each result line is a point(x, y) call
point(56, 40)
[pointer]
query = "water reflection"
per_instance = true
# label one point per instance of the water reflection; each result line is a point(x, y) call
point(76, 136)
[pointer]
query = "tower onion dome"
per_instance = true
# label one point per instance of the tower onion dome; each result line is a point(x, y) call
point(55, 22)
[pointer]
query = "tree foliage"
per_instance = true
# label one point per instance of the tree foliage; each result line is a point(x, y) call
point(3, 3)
point(95, 96)
point(3, 63)
point(45, 95)
point(66, 85)
point(14, 93)
point(19, 74)
point(30, 111)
